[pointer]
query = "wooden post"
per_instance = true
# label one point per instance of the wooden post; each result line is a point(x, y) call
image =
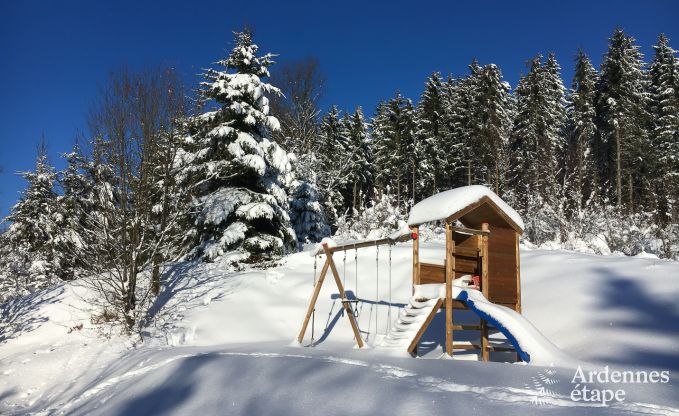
point(314, 297)
point(518, 275)
point(416, 256)
point(484, 289)
point(343, 297)
point(518, 283)
point(450, 267)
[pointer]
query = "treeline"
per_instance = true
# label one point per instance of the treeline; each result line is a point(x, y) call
point(595, 165)
point(160, 177)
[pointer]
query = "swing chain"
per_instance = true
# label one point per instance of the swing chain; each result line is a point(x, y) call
point(377, 285)
point(344, 269)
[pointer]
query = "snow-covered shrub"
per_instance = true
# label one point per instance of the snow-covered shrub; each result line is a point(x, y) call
point(378, 220)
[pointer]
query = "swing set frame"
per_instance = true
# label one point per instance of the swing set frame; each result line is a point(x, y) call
point(330, 265)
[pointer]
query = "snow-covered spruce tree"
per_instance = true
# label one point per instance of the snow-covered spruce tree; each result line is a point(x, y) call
point(73, 206)
point(581, 177)
point(490, 128)
point(31, 235)
point(431, 135)
point(664, 136)
point(622, 144)
point(393, 149)
point(237, 173)
point(460, 115)
point(13, 271)
point(333, 165)
point(664, 98)
point(306, 213)
point(537, 144)
point(358, 187)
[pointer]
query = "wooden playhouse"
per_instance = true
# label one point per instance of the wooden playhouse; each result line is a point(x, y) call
point(482, 239)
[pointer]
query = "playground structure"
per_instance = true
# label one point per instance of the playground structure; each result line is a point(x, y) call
point(481, 255)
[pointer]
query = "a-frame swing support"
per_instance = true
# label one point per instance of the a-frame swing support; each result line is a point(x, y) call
point(330, 264)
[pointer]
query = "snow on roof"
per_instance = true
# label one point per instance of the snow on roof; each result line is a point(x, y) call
point(447, 203)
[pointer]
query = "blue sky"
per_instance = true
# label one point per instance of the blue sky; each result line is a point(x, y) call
point(55, 55)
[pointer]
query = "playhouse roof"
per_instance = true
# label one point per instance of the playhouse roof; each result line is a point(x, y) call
point(470, 204)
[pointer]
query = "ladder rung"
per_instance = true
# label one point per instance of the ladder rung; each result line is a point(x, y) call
point(478, 347)
point(466, 346)
point(500, 348)
point(466, 327)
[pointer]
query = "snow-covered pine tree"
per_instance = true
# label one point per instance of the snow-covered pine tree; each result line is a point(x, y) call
point(393, 147)
point(73, 206)
point(460, 116)
point(431, 135)
point(306, 213)
point(237, 173)
point(581, 178)
point(358, 188)
point(13, 270)
point(537, 146)
point(33, 227)
point(664, 98)
point(622, 143)
point(380, 146)
point(333, 165)
point(490, 128)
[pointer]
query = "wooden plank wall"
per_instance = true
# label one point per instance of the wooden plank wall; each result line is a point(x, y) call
point(502, 269)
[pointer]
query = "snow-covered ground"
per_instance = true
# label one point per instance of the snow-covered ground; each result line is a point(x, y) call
point(221, 343)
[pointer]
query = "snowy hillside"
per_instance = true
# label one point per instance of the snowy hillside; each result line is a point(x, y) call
point(220, 343)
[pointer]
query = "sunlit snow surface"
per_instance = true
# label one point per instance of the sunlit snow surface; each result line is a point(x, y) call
point(220, 343)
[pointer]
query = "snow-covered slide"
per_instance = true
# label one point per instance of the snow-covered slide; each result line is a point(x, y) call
point(530, 344)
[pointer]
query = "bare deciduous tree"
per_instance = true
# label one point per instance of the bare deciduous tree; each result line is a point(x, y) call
point(302, 84)
point(137, 121)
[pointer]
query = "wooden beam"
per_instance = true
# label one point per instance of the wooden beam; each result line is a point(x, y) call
point(484, 287)
point(450, 265)
point(312, 303)
point(343, 296)
point(369, 243)
point(413, 344)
